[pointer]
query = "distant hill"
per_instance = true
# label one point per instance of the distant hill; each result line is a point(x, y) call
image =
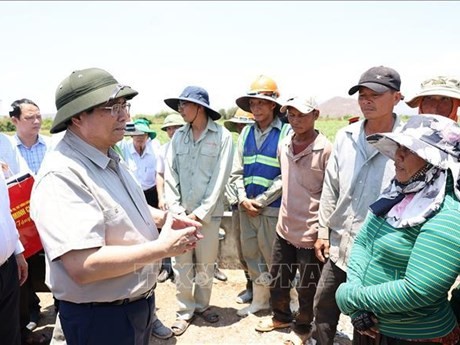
point(338, 107)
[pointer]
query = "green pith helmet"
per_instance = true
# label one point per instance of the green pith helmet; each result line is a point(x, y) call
point(83, 90)
point(172, 120)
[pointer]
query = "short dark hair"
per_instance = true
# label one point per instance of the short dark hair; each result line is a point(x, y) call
point(16, 106)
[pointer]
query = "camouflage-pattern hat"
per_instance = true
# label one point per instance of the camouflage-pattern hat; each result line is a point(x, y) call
point(173, 120)
point(437, 86)
point(83, 90)
point(434, 138)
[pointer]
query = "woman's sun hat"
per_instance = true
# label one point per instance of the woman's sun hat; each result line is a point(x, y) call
point(434, 138)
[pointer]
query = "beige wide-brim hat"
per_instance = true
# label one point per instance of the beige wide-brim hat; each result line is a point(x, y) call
point(240, 117)
point(438, 86)
point(172, 120)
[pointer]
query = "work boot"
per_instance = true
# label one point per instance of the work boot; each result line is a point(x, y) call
point(244, 297)
point(260, 300)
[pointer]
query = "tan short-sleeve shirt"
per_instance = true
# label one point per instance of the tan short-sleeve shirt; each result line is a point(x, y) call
point(84, 199)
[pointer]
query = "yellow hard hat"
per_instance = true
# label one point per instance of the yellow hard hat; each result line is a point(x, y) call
point(262, 87)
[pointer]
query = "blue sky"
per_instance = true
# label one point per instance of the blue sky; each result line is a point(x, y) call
point(158, 48)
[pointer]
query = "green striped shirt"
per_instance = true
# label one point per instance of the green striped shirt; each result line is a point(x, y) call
point(403, 275)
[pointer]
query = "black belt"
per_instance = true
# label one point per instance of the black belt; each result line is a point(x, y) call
point(123, 301)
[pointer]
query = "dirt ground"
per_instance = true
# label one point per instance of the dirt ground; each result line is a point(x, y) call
point(230, 329)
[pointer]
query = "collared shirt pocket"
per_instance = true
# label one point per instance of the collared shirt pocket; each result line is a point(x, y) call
point(312, 180)
point(119, 230)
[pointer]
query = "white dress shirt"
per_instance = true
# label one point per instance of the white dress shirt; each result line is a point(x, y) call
point(9, 237)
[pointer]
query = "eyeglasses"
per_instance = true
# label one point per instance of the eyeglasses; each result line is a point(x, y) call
point(118, 109)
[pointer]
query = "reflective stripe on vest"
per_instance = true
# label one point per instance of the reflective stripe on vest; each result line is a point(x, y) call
point(261, 166)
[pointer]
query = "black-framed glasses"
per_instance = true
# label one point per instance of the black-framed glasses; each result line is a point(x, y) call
point(118, 109)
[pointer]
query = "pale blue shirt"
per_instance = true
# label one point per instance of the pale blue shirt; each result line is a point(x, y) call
point(196, 171)
point(353, 181)
point(32, 155)
point(162, 157)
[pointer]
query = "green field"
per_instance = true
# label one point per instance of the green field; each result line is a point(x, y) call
point(328, 127)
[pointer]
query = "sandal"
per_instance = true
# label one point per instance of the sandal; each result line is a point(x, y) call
point(180, 326)
point(208, 315)
point(293, 338)
point(271, 324)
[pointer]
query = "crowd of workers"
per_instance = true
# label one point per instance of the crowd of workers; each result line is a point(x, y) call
point(366, 226)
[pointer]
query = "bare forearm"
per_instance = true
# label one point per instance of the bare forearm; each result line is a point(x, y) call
point(91, 265)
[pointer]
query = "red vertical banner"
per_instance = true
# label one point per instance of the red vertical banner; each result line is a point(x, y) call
point(19, 190)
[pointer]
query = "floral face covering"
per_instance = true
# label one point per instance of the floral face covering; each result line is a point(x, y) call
point(412, 203)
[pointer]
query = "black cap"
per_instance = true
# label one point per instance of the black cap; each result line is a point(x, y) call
point(379, 79)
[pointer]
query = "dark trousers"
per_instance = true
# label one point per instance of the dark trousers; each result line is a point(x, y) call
point(87, 324)
point(9, 303)
point(166, 265)
point(237, 233)
point(286, 261)
point(152, 199)
point(29, 301)
point(151, 195)
point(327, 313)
